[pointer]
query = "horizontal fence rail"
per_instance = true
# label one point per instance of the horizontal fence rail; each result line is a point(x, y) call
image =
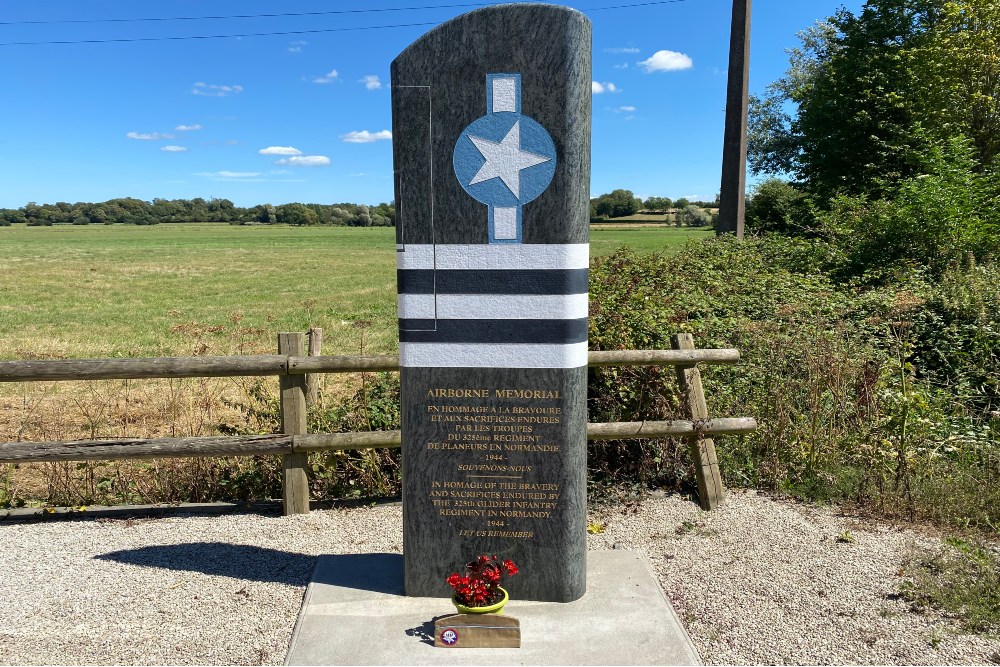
point(256, 445)
point(276, 364)
point(296, 371)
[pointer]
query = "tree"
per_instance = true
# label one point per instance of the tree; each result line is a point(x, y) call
point(297, 214)
point(957, 68)
point(693, 216)
point(933, 220)
point(362, 218)
point(681, 204)
point(778, 206)
point(854, 127)
point(658, 204)
point(386, 211)
point(617, 204)
point(874, 92)
point(10, 216)
point(99, 215)
point(339, 215)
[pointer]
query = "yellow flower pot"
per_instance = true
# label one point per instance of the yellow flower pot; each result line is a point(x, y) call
point(495, 608)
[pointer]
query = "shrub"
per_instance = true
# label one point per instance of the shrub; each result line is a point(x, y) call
point(846, 406)
point(778, 206)
point(359, 472)
point(693, 216)
point(956, 335)
point(929, 222)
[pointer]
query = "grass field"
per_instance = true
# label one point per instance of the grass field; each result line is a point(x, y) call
point(178, 290)
point(116, 291)
point(642, 218)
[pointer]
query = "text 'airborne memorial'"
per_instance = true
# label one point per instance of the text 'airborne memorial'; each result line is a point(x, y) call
point(491, 145)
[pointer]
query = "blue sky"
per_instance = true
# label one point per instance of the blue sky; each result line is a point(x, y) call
point(306, 117)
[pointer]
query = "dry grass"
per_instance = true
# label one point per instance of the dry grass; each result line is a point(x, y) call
point(179, 290)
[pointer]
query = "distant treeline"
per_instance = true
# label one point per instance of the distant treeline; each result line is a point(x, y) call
point(622, 203)
point(131, 211)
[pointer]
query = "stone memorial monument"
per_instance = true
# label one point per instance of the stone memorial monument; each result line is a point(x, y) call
point(491, 144)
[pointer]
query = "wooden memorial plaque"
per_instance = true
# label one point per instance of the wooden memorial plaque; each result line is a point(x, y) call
point(477, 631)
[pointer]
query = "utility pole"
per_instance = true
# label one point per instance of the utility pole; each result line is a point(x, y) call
point(732, 192)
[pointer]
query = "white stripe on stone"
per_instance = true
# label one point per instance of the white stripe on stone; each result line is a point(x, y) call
point(505, 223)
point(493, 306)
point(492, 355)
point(504, 94)
point(494, 256)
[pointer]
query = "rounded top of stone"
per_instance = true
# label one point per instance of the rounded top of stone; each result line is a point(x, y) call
point(527, 12)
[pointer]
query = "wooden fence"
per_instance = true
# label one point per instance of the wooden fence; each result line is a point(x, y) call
point(295, 370)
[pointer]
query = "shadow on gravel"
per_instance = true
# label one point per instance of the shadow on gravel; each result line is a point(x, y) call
point(238, 561)
point(378, 572)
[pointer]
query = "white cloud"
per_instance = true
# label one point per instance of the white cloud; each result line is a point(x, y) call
point(233, 175)
point(371, 81)
point(238, 174)
point(249, 176)
point(149, 136)
point(622, 66)
point(280, 150)
point(329, 77)
point(213, 90)
point(627, 108)
point(622, 49)
point(188, 128)
point(366, 137)
point(173, 149)
point(596, 87)
point(305, 161)
point(296, 46)
point(666, 61)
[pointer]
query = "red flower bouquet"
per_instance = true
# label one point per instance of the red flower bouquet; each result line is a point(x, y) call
point(480, 587)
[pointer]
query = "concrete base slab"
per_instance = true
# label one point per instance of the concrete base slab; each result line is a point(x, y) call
point(354, 613)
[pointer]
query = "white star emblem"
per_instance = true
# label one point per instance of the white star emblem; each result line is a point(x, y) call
point(505, 160)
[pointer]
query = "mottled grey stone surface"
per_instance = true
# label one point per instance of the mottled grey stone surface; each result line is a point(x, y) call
point(553, 558)
point(439, 88)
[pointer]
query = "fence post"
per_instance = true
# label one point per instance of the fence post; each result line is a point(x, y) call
point(706, 466)
point(315, 350)
point(295, 483)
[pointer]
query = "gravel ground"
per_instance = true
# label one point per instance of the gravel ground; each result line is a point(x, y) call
point(758, 581)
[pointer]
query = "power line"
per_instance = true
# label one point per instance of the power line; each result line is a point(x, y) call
point(276, 33)
point(248, 16)
point(245, 34)
point(285, 14)
point(640, 4)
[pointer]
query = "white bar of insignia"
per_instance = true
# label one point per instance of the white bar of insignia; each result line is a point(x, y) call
point(505, 222)
point(492, 355)
point(493, 306)
point(495, 256)
point(504, 94)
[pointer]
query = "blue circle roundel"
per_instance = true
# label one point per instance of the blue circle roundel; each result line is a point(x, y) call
point(504, 159)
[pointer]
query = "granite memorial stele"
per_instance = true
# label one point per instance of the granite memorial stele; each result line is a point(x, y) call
point(491, 146)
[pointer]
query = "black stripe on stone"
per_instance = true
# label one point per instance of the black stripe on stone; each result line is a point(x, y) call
point(492, 281)
point(494, 331)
